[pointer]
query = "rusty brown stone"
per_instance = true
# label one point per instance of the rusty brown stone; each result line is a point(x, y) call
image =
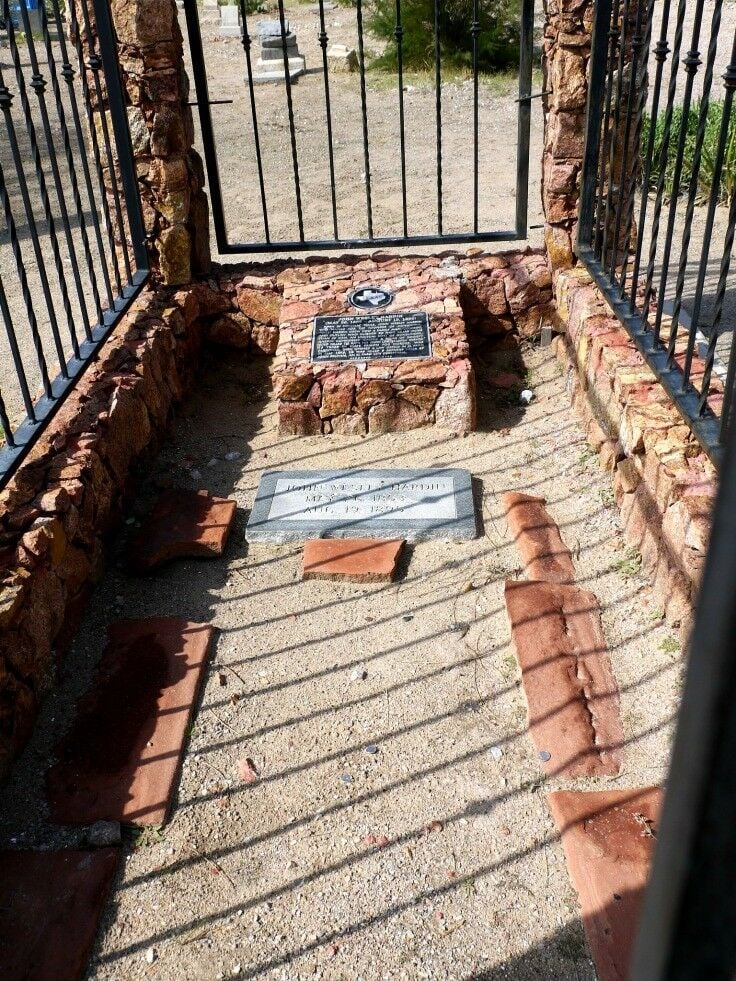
point(265, 339)
point(349, 425)
point(231, 330)
point(298, 419)
point(292, 387)
point(538, 539)
point(570, 688)
point(609, 838)
point(456, 408)
point(395, 416)
point(183, 524)
point(423, 396)
point(354, 559)
point(420, 372)
point(174, 247)
point(261, 306)
point(338, 392)
point(372, 392)
point(52, 902)
point(120, 760)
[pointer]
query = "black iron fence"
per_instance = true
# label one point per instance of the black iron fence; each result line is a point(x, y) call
point(419, 201)
point(658, 199)
point(72, 250)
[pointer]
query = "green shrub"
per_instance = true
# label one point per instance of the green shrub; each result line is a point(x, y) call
point(709, 151)
point(498, 42)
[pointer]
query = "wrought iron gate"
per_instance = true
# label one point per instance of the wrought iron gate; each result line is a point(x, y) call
point(658, 207)
point(333, 192)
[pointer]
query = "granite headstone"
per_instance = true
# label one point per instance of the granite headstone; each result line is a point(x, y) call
point(416, 505)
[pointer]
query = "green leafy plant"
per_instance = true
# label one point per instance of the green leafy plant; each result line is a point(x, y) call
point(498, 41)
point(630, 565)
point(665, 155)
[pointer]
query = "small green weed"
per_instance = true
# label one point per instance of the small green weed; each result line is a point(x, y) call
point(606, 496)
point(145, 837)
point(670, 645)
point(630, 565)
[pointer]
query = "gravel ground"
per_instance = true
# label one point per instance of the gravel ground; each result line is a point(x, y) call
point(274, 879)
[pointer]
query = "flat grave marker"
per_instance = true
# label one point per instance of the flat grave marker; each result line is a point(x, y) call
point(402, 335)
point(416, 505)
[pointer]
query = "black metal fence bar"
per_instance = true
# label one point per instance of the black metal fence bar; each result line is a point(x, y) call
point(526, 50)
point(56, 219)
point(438, 106)
point(661, 50)
point(38, 84)
point(399, 38)
point(686, 931)
point(323, 39)
point(364, 117)
point(619, 167)
point(108, 249)
point(27, 205)
point(247, 43)
point(640, 45)
point(663, 154)
point(364, 124)
point(292, 127)
point(69, 74)
point(95, 65)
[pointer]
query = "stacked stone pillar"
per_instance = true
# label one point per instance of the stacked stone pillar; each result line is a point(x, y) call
point(567, 49)
point(170, 172)
point(566, 54)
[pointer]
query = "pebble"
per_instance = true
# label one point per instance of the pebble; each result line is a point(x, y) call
point(150, 955)
point(496, 752)
point(213, 462)
point(526, 396)
point(346, 777)
point(544, 756)
point(195, 474)
point(358, 674)
point(371, 749)
point(232, 455)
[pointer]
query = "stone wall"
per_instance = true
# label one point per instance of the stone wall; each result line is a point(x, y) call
point(663, 482)
point(66, 498)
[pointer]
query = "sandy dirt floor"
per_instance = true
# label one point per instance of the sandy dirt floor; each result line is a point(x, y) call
point(274, 879)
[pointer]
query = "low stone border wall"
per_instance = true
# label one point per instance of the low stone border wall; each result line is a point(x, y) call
point(663, 482)
point(67, 496)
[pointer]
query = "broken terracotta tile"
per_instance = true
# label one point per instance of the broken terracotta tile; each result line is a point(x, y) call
point(356, 559)
point(183, 524)
point(537, 538)
point(121, 758)
point(609, 838)
point(571, 692)
point(51, 904)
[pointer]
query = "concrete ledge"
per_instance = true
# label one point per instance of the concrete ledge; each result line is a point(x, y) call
point(663, 482)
